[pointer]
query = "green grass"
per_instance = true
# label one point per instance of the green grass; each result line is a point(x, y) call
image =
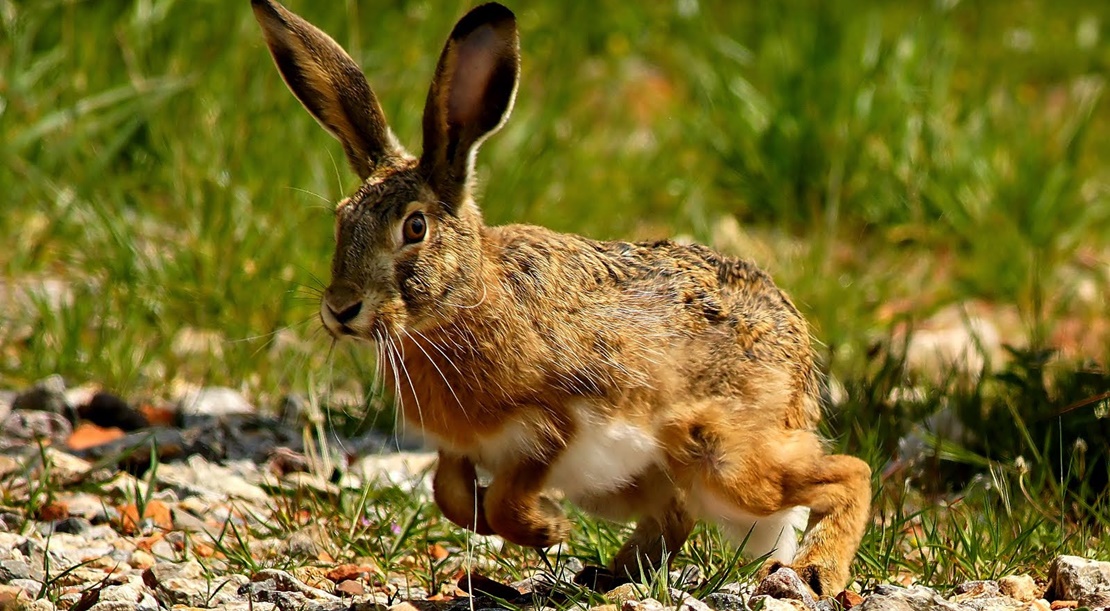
point(884, 161)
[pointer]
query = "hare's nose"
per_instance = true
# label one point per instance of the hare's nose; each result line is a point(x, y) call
point(347, 314)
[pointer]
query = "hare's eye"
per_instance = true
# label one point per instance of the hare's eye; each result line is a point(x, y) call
point(415, 228)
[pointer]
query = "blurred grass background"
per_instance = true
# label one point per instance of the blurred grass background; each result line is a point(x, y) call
point(166, 211)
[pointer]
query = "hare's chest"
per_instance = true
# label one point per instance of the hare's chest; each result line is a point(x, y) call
point(601, 456)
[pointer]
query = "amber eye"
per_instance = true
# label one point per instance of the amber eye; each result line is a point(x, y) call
point(415, 228)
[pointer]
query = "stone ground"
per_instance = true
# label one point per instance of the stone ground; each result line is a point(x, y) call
point(78, 532)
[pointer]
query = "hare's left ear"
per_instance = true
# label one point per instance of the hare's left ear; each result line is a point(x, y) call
point(471, 96)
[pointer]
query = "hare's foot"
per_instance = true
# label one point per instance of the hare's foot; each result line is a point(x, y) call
point(529, 520)
point(821, 580)
point(458, 494)
point(654, 543)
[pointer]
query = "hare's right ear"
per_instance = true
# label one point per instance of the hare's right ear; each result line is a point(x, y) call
point(329, 84)
point(471, 96)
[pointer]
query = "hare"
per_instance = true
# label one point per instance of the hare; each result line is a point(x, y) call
point(655, 382)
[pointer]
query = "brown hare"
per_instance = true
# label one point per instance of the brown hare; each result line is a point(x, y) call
point(658, 382)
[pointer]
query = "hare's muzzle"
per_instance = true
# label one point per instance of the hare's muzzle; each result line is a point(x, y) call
point(340, 314)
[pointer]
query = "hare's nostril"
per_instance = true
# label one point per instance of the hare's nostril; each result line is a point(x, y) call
point(348, 313)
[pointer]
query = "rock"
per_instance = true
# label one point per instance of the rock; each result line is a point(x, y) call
point(185, 584)
point(623, 592)
point(786, 584)
point(142, 559)
point(1019, 587)
point(41, 604)
point(685, 602)
point(10, 521)
point(977, 588)
point(282, 461)
point(30, 587)
point(993, 603)
point(687, 577)
point(347, 572)
point(88, 435)
point(916, 598)
point(285, 582)
point(12, 569)
point(74, 525)
point(155, 514)
point(848, 599)
point(404, 470)
point(46, 395)
point(208, 481)
point(1096, 600)
point(7, 397)
point(24, 427)
point(212, 402)
point(647, 604)
point(770, 603)
point(313, 576)
point(723, 601)
point(350, 587)
point(1063, 604)
point(1072, 578)
point(10, 594)
point(131, 593)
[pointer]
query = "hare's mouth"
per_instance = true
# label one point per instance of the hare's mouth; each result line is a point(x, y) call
point(352, 321)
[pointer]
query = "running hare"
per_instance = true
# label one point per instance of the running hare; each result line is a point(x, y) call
point(651, 381)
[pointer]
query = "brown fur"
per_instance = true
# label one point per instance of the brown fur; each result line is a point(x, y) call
point(495, 340)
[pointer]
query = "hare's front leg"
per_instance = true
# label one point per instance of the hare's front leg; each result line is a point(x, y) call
point(517, 510)
point(457, 493)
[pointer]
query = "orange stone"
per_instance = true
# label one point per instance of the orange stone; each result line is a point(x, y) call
point(88, 435)
point(52, 511)
point(156, 511)
point(350, 587)
point(158, 416)
point(848, 599)
point(146, 543)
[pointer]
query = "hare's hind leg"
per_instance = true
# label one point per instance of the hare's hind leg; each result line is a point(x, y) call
point(837, 489)
point(761, 472)
point(654, 543)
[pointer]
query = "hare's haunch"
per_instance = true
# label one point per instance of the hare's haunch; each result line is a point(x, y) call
point(649, 381)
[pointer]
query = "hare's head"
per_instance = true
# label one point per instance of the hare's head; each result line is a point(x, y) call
point(408, 241)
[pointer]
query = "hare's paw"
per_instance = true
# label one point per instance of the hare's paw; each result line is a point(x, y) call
point(598, 579)
point(458, 495)
point(541, 523)
point(818, 579)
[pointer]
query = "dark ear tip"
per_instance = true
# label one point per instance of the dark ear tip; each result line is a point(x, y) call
point(268, 9)
point(490, 13)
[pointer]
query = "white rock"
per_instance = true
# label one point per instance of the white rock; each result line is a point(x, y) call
point(1020, 587)
point(212, 402)
point(1072, 578)
point(770, 603)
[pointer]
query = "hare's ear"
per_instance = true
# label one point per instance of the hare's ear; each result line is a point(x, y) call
point(471, 95)
point(329, 84)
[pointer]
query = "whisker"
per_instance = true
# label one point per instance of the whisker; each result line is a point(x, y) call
point(446, 383)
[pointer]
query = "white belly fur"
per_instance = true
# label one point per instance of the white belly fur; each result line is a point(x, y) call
point(602, 457)
point(775, 534)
